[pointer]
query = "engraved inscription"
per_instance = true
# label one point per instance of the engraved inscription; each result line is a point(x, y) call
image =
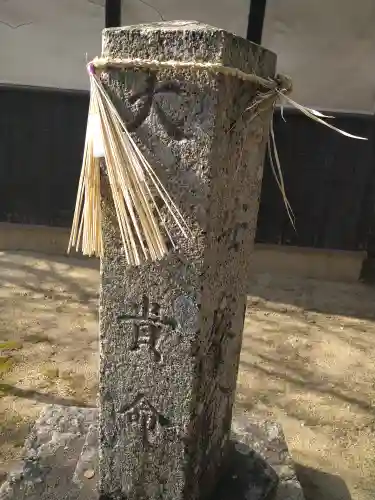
point(145, 415)
point(220, 333)
point(174, 129)
point(148, 323)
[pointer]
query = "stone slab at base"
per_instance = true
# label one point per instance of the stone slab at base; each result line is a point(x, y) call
point(61, 460)
point(50, 456)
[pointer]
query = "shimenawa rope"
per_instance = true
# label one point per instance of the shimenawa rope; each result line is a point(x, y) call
point(131, 177)
point(281, 82)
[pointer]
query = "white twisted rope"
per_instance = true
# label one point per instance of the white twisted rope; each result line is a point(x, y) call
point(281, 83)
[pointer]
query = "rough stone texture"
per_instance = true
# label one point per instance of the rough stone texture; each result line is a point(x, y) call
point(264, 440)
point(259, 465)
point(86, 471)
point(166, 396)
point(50, 457)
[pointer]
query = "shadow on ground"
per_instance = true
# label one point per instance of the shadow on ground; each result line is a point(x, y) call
point(343, 299)
point(58, 277)
point(318, 485)
point(10, 390)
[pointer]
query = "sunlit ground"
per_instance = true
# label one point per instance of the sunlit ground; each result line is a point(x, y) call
point(306, 360)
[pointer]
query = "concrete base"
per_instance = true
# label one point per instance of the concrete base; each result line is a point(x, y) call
point(61, 461)
point(305, 262)
point(50, 457)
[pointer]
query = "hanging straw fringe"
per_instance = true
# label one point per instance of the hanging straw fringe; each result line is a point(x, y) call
point(132, 179)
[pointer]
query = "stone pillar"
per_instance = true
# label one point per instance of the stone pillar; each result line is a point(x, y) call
point(171, 331)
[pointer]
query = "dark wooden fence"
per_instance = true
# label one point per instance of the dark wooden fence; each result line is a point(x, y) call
point(329, 182)
point(329, 178)
point(41, 144)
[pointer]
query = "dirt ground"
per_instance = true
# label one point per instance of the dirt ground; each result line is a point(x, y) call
point(307, 359)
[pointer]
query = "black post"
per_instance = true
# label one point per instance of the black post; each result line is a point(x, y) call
point(112, 13)
point(368, 265)
point(257, 12)
point(256, 20)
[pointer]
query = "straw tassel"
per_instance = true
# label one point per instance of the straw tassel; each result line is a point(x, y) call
point(131, 180)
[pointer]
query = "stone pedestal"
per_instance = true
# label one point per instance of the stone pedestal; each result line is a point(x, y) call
point(171, 331)
point(60, 460)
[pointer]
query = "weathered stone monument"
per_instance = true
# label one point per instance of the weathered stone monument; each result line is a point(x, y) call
point(171, 330)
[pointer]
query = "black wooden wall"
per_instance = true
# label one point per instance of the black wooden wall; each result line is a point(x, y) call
point(329, 183)
point(329, 178)
point(41, 145)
